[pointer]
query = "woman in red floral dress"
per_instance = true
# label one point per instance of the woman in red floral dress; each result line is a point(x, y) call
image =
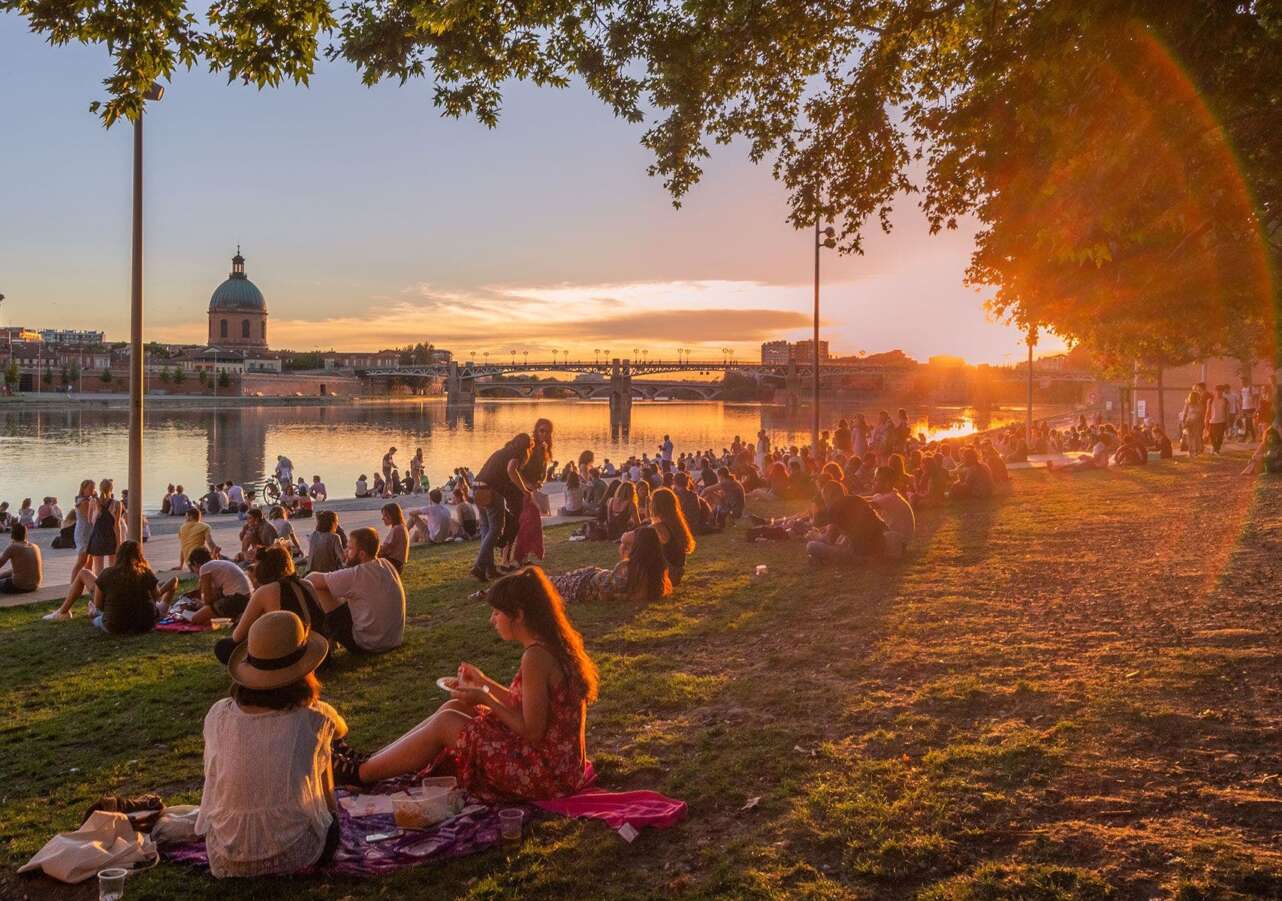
point(525, 741)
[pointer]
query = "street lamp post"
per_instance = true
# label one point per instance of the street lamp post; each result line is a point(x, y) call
point(824, 238)
point(137, 371)
point(1031, 340)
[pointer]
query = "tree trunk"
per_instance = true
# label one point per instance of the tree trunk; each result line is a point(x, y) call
point(1161, 398)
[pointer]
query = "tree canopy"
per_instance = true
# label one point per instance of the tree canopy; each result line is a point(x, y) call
point(1123, 158)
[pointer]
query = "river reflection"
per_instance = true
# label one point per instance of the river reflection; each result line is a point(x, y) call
point(50, 451)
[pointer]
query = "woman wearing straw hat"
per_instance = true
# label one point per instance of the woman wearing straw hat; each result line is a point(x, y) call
point(268, 804)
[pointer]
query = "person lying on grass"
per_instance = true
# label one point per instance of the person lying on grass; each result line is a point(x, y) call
point(640, 575)
point(277, 587)
point(524, 741)
point(127, 598)
point(268, 804)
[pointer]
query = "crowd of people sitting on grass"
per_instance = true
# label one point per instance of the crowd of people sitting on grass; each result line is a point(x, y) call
point(274, 751)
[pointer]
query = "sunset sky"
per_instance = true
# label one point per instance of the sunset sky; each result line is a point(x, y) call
point(369, 221)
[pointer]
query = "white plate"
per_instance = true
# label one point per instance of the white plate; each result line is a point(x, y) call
point(447, 683)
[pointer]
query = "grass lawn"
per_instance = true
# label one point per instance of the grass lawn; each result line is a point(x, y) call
point(1071, 692)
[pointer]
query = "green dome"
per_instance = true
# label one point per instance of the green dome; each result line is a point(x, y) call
point(238, 292)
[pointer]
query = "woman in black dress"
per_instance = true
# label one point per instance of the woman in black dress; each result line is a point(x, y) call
point(105, 537)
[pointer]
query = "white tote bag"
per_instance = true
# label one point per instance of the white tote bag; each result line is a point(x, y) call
point(104, 840)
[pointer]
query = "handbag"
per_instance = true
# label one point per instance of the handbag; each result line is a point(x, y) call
point(104, 840)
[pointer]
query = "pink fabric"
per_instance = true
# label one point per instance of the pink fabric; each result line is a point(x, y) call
point(177, 625)
point(529, 535)
point(636, 808)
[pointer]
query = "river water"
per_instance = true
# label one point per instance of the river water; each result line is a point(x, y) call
point(48, 452)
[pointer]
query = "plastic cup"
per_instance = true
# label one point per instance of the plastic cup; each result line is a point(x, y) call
point(111, 883)
point(762, 569)
point(510, 824)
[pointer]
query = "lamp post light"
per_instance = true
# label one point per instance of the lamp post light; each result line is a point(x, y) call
point(823, 238)
point(525, 357)
point(514, 356)
point(137, 370)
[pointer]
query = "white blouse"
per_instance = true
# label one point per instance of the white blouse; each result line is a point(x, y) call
point(268, 788)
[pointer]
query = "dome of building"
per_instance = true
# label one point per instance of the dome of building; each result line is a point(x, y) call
point(237, 292)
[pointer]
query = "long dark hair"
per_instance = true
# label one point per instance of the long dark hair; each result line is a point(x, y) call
point(647, 567)
point(530, 594)
point(664, 507)
point(272, 564)
point(303, 693)
point(129, 556)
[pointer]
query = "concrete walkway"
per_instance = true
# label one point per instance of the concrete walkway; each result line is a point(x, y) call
point(162, 548)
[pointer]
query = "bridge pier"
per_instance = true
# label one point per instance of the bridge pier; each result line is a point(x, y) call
point(620, 396)
point(458, 390)
point(792, 386)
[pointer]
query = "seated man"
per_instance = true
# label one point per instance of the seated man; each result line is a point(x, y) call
point(974, 478)
point(255, 534)
point(49, 516)
point(26, 567)
point(364, 603)
point(1130, 452)
point(433, 523)
point(192, 534)
point(854, 530)
point(901, 522)
point(318, 490)
point(235, 497)
point(180, 503)
point(224, 587)
point(212, 501)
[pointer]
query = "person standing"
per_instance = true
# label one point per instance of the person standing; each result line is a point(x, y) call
point(665, 449)
point(389, 464)
point(1248, 409)
point(1193, 418)
point(416, 472)
point(284, 470)
point(763, 449)
point(105, 537)
point(859, 436)
point(1217, 418)
point(499, 484)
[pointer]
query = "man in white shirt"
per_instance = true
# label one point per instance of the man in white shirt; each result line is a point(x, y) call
point(1217, 418)
point(236, 495)
point(284, 469)
point(365, 602)
point(433, 522)
point(1248, 410)
point(666, 449)
point(318, 489)
point(224, 587)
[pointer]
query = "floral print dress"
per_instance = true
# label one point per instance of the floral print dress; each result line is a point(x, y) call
point(592, 584)
point(494, 763)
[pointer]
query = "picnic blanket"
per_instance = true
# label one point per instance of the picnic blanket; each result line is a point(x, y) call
point(474, 829)
point(173, 624)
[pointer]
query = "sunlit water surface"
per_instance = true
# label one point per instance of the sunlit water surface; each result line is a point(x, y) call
point(48, 452)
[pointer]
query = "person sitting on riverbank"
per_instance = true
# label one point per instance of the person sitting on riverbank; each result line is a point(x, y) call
point(524, 741)
point(267, 806)
point(1268, 454)
point(431, 524)
point(854, 531)
point(362, 486)
point(167, 502)
point(26, 566)
point(279, 520)
point(727, 498)
point(276, 586)
point(674, 532)
point(49, 514)
point(192, 534)
point(318, 491)
point(127, 598)
point(27, 514)
point(364, 602)
point(469, 518)
point(1100, 453)
point(996, 465)
point(379, 489)
point(974, 479)
point(222, 588)
point(180, 503)
point(235, 497)
point(325, 547)
point(6, 518)
point(256, 534)
point(1130, 452)
point(901, 522)
point(640, 575)
point(697, 510)
point(622, 514)
point(395, 547)
point(214, 501)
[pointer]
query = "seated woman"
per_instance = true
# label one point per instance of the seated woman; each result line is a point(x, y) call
point(674, 532)
point(268, 803)
point(362, 486)
point(573, 495)
point(640, 575)
point(325, 547)
point(127, 597)
point(395, 548)
point(521, 742)
point(277, 586)
point(621, 513)
point(933, 482)
point(1269, 453)
point(380, 487)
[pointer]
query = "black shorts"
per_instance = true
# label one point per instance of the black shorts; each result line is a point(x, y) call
point(231, 605)
point(7, 586)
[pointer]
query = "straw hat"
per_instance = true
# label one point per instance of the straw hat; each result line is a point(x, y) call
point(279, 652)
